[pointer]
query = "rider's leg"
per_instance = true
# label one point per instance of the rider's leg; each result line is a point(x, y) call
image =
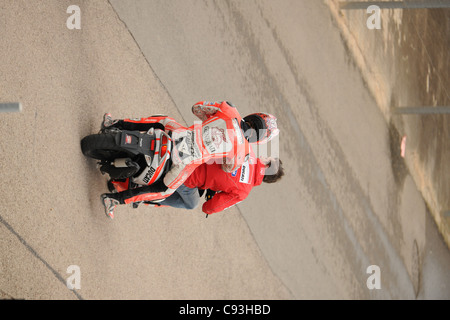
point(127, 124)
point(112, 200)
point(138, 194)
point(183, 198)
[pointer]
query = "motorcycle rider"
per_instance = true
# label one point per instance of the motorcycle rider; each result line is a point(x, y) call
point(224, 189)
point(259, 128)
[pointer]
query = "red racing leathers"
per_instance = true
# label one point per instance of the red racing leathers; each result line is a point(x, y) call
point(218, 138)
point(232, 187)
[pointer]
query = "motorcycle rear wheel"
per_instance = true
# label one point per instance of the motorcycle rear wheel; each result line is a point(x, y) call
point(102, 147)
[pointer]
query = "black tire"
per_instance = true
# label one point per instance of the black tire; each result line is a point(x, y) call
point(102, 147)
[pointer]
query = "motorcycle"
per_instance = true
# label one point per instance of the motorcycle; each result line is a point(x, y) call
point(134, 158)
point(130, 158)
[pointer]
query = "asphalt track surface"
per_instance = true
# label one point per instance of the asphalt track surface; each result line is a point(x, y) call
point(312, 236)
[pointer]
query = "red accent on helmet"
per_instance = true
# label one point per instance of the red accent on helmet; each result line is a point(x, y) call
point(265, 124)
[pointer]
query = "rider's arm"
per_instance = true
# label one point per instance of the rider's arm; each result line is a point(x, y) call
point(221, 201)
point(205, 109)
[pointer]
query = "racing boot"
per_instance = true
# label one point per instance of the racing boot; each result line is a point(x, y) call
point(107, 121)
point(110, 204)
